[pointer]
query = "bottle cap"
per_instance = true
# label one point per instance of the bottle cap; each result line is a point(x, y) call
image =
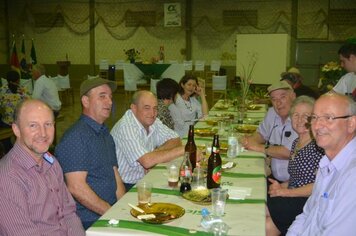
point(205, 212)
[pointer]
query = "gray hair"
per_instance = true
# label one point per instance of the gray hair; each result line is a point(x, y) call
point(302, 99)
point(138, 94)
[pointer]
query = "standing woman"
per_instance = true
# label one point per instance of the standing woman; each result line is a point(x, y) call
point(190, 104)
point(286, 200)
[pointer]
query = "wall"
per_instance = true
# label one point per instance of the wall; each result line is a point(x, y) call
point(211, 38)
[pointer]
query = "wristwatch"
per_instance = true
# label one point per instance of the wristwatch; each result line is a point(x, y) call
point(266, 148)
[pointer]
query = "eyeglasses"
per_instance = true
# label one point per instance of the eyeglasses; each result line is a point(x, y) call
point(326, 119)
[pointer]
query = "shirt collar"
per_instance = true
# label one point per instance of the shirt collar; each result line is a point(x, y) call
point(98, 128)
point(150, 128)
point(340, 161)
point(26, 160)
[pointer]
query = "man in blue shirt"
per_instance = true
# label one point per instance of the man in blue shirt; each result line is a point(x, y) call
point(275, 134)
point(87, 154)
point(331, 209)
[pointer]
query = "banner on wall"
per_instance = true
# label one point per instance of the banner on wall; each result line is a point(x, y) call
point(172, 15)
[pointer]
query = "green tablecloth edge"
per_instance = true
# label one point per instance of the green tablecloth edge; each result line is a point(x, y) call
point(159, 229)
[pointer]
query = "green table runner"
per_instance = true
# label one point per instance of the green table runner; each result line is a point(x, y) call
point(159, 229)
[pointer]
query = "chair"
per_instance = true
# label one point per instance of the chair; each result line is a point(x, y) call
point(218, 88)
point(130, 84)
point(188, 65)
point(104, 67)
point(199, 69)
point(153, 83)
point(214, 70)
point(215, 65)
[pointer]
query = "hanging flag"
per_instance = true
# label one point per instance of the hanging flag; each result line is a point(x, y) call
point(25, 73)
point(33, 54)
point(22, 58)
point(14, 60)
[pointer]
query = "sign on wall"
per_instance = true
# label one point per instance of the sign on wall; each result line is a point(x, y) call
point(172, 15)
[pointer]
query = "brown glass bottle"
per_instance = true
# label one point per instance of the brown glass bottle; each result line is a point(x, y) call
point(191, 147)
point(214, 165)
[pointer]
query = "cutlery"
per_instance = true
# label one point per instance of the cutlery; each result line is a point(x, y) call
point(145, 216)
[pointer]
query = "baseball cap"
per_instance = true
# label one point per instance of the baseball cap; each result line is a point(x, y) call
point(279, 85)
point(88, 84)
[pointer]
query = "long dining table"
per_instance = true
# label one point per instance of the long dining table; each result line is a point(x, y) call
point(244, 210)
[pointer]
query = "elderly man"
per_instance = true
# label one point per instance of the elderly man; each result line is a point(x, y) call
point(331, 209)
point(87, 154)
point(45, 89)
point(347, 83)
point(34, 199)
point(275, 134)
point(142, 141)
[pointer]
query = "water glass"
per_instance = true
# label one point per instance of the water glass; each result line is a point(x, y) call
point(218, 200)
point(144, 190)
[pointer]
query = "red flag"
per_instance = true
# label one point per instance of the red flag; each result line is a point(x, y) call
point(14, 60)
point(22, 57)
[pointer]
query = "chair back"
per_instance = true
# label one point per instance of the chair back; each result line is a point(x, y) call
point(199, 65)
point(188, 65)
point(219, 82)
point(215, 65)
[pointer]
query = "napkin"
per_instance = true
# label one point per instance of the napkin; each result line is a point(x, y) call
point(239, 193)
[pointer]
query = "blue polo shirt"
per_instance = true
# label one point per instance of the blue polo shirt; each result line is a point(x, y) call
point(88, 146)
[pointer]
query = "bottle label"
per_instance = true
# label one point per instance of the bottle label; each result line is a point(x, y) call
point(215, 150)
point(216, 175)
point(232, 140)
point(186, 172)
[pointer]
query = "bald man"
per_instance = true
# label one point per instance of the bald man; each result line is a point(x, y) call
point(331, 209)
point(34, 199)
point(142, 140)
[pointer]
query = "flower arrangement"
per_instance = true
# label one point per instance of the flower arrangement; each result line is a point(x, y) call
point(331, 72)
point(246, 76)
point(132, 54)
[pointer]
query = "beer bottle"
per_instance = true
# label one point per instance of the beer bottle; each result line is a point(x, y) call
point(191, 147)
point(214, 165)
point(185, 174)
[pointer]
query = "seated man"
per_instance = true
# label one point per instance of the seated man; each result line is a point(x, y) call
point(331, 208)
point(87, 154)
point(34, 199)
point(142, 141)
point(275, 134)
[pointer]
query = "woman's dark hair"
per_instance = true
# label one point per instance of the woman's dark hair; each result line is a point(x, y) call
point(13, 78)
point(184, 80)
point(167, 88)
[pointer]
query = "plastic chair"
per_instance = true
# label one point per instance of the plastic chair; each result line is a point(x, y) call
point(218, 87)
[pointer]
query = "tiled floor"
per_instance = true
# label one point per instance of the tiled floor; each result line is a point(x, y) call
point(71, 112)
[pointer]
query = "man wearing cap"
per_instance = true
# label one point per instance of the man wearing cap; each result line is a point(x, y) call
point(87, 154)
point(294, 79)
point(347, 83)
point(275, 134)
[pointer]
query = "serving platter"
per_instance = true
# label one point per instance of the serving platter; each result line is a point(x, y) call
point(164, 212)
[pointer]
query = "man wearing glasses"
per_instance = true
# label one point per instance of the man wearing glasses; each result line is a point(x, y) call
point(331, 209)
point(275, 134)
